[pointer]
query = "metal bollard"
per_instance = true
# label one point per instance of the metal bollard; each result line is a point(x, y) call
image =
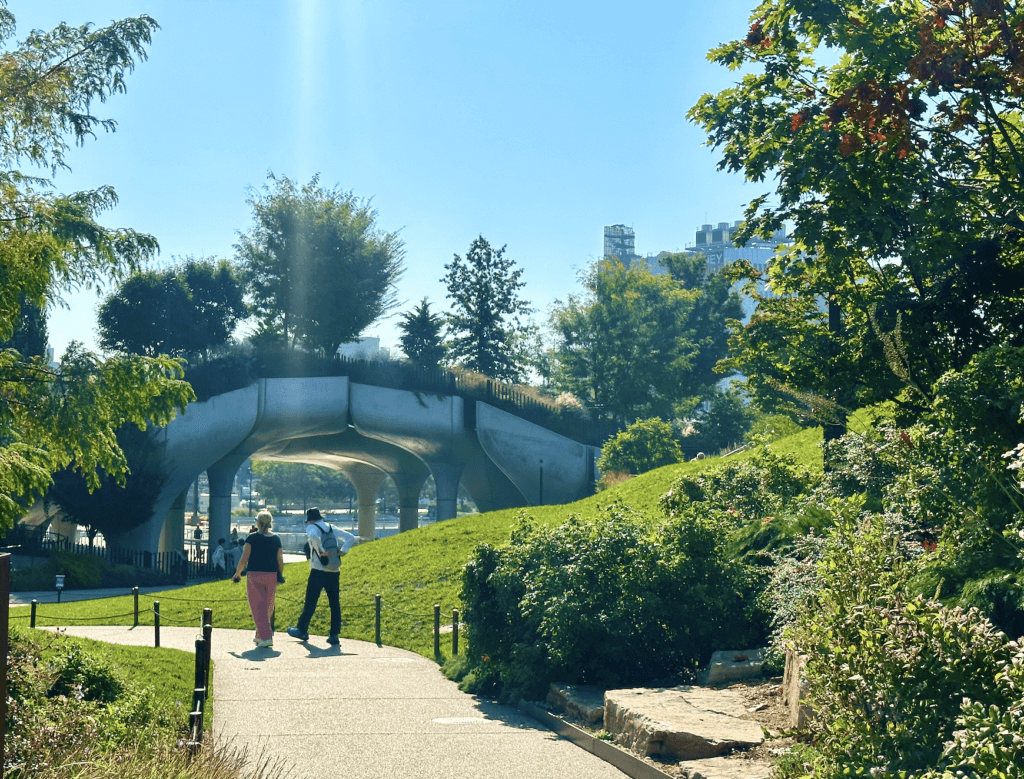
point(376, 621)
point(208, 637)
point(437, 629)
point(455, 632)
point(32, 619)
point(156, 622)
point(200, 678)
point(135, 594)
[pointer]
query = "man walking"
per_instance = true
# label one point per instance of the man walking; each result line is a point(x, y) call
point(326, 547)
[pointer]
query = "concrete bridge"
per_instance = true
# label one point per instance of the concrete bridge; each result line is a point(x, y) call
point(368, 433)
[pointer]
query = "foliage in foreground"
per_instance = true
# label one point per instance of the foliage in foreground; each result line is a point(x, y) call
point(69, 705)
point(609, 602)
point(903, 686)
point(50, 243)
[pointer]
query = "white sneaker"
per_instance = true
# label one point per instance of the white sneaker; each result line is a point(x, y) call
point(268, 642)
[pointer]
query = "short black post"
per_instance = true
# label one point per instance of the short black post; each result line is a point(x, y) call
point(437, 629)
point(32, 619)
point(376, 620)
point(135, 594)
point(200, 678)
point(156, 622)
point(208, 638)
point(455, 632)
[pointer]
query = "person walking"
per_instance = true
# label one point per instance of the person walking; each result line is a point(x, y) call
point(264, 558)
point(326, 546)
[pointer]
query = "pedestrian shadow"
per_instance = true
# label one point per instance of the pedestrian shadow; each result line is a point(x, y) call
point(257, 654)
point(327, 651)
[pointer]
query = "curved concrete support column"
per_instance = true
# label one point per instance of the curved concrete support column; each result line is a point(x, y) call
point(221, 476)
point(446, 481)
point(172, 537)
point(409, 486)
point(367, 480)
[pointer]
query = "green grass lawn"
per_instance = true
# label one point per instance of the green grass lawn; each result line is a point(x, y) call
point(411, 571)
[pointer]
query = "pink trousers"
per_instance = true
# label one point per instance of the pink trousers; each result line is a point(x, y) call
point(261, 587)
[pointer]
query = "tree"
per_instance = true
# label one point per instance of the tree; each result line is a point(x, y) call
point(723, 423)
point(300, 483)
point(641, 447)
point(485, 322)
point(637, 345)
point(896, 156)
point(421, 335)
point(181, 311)
point(51, 242)
point(117, 505)
point(318, 269)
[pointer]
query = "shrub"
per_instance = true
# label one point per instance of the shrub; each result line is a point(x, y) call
point(78, 675)
point(607, 603)
point(641, 447)
point(888, 674)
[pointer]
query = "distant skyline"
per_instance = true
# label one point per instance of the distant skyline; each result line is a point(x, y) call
point(532, 124)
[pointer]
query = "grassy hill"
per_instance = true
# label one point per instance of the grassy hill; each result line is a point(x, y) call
point(411, 571)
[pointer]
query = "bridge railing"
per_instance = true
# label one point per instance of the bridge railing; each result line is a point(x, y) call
point(242, 366)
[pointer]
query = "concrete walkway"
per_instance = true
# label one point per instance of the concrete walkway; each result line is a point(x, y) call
point(363, 712)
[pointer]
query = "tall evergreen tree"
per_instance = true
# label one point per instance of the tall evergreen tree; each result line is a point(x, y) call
point(421, 335)
point(485, 321)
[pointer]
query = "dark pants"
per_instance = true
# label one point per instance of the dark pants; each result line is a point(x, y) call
point(328, 582)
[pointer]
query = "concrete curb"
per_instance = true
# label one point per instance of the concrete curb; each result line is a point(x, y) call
point(625, 761)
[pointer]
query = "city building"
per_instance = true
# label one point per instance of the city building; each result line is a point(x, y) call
point(715, 242)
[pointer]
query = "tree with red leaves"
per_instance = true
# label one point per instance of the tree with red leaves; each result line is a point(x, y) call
point(894, 136)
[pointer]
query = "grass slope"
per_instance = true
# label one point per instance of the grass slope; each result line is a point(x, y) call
point(411, 571)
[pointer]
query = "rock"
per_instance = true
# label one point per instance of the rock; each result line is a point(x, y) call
point(578, 702)
point(687, 722)
point(732, 666)
point(794, 689)
point(726, 768)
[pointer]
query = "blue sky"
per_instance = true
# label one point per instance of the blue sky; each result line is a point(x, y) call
point(533, 124)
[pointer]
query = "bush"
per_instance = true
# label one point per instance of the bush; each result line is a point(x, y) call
point(78, 675)
point(607, 603)
point(889, 675)
point(641, 447)
point(75, 710)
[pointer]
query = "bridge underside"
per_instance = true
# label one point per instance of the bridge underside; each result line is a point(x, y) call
point(368, 433)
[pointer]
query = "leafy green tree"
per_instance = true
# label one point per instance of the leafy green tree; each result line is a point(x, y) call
point(318, 269)
point(723, 423)
point(30, 334)
point(180, 311)
point(485, 321)
point(893, 135)
point(300, 483)
point(51, 242)
point(116, 506)
point(641, 447)
point(421, 338)
point(637, 345)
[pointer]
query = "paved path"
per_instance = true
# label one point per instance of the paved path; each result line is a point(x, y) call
point(364, 712)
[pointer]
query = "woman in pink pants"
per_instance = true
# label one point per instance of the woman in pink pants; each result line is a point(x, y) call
point(265, 559)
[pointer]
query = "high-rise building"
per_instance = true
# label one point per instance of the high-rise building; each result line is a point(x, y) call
point(716, 243)
point(620, 242)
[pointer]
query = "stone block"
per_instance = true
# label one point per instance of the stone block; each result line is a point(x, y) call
point(679, 721)
point(578, 702)
point(732, 666)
